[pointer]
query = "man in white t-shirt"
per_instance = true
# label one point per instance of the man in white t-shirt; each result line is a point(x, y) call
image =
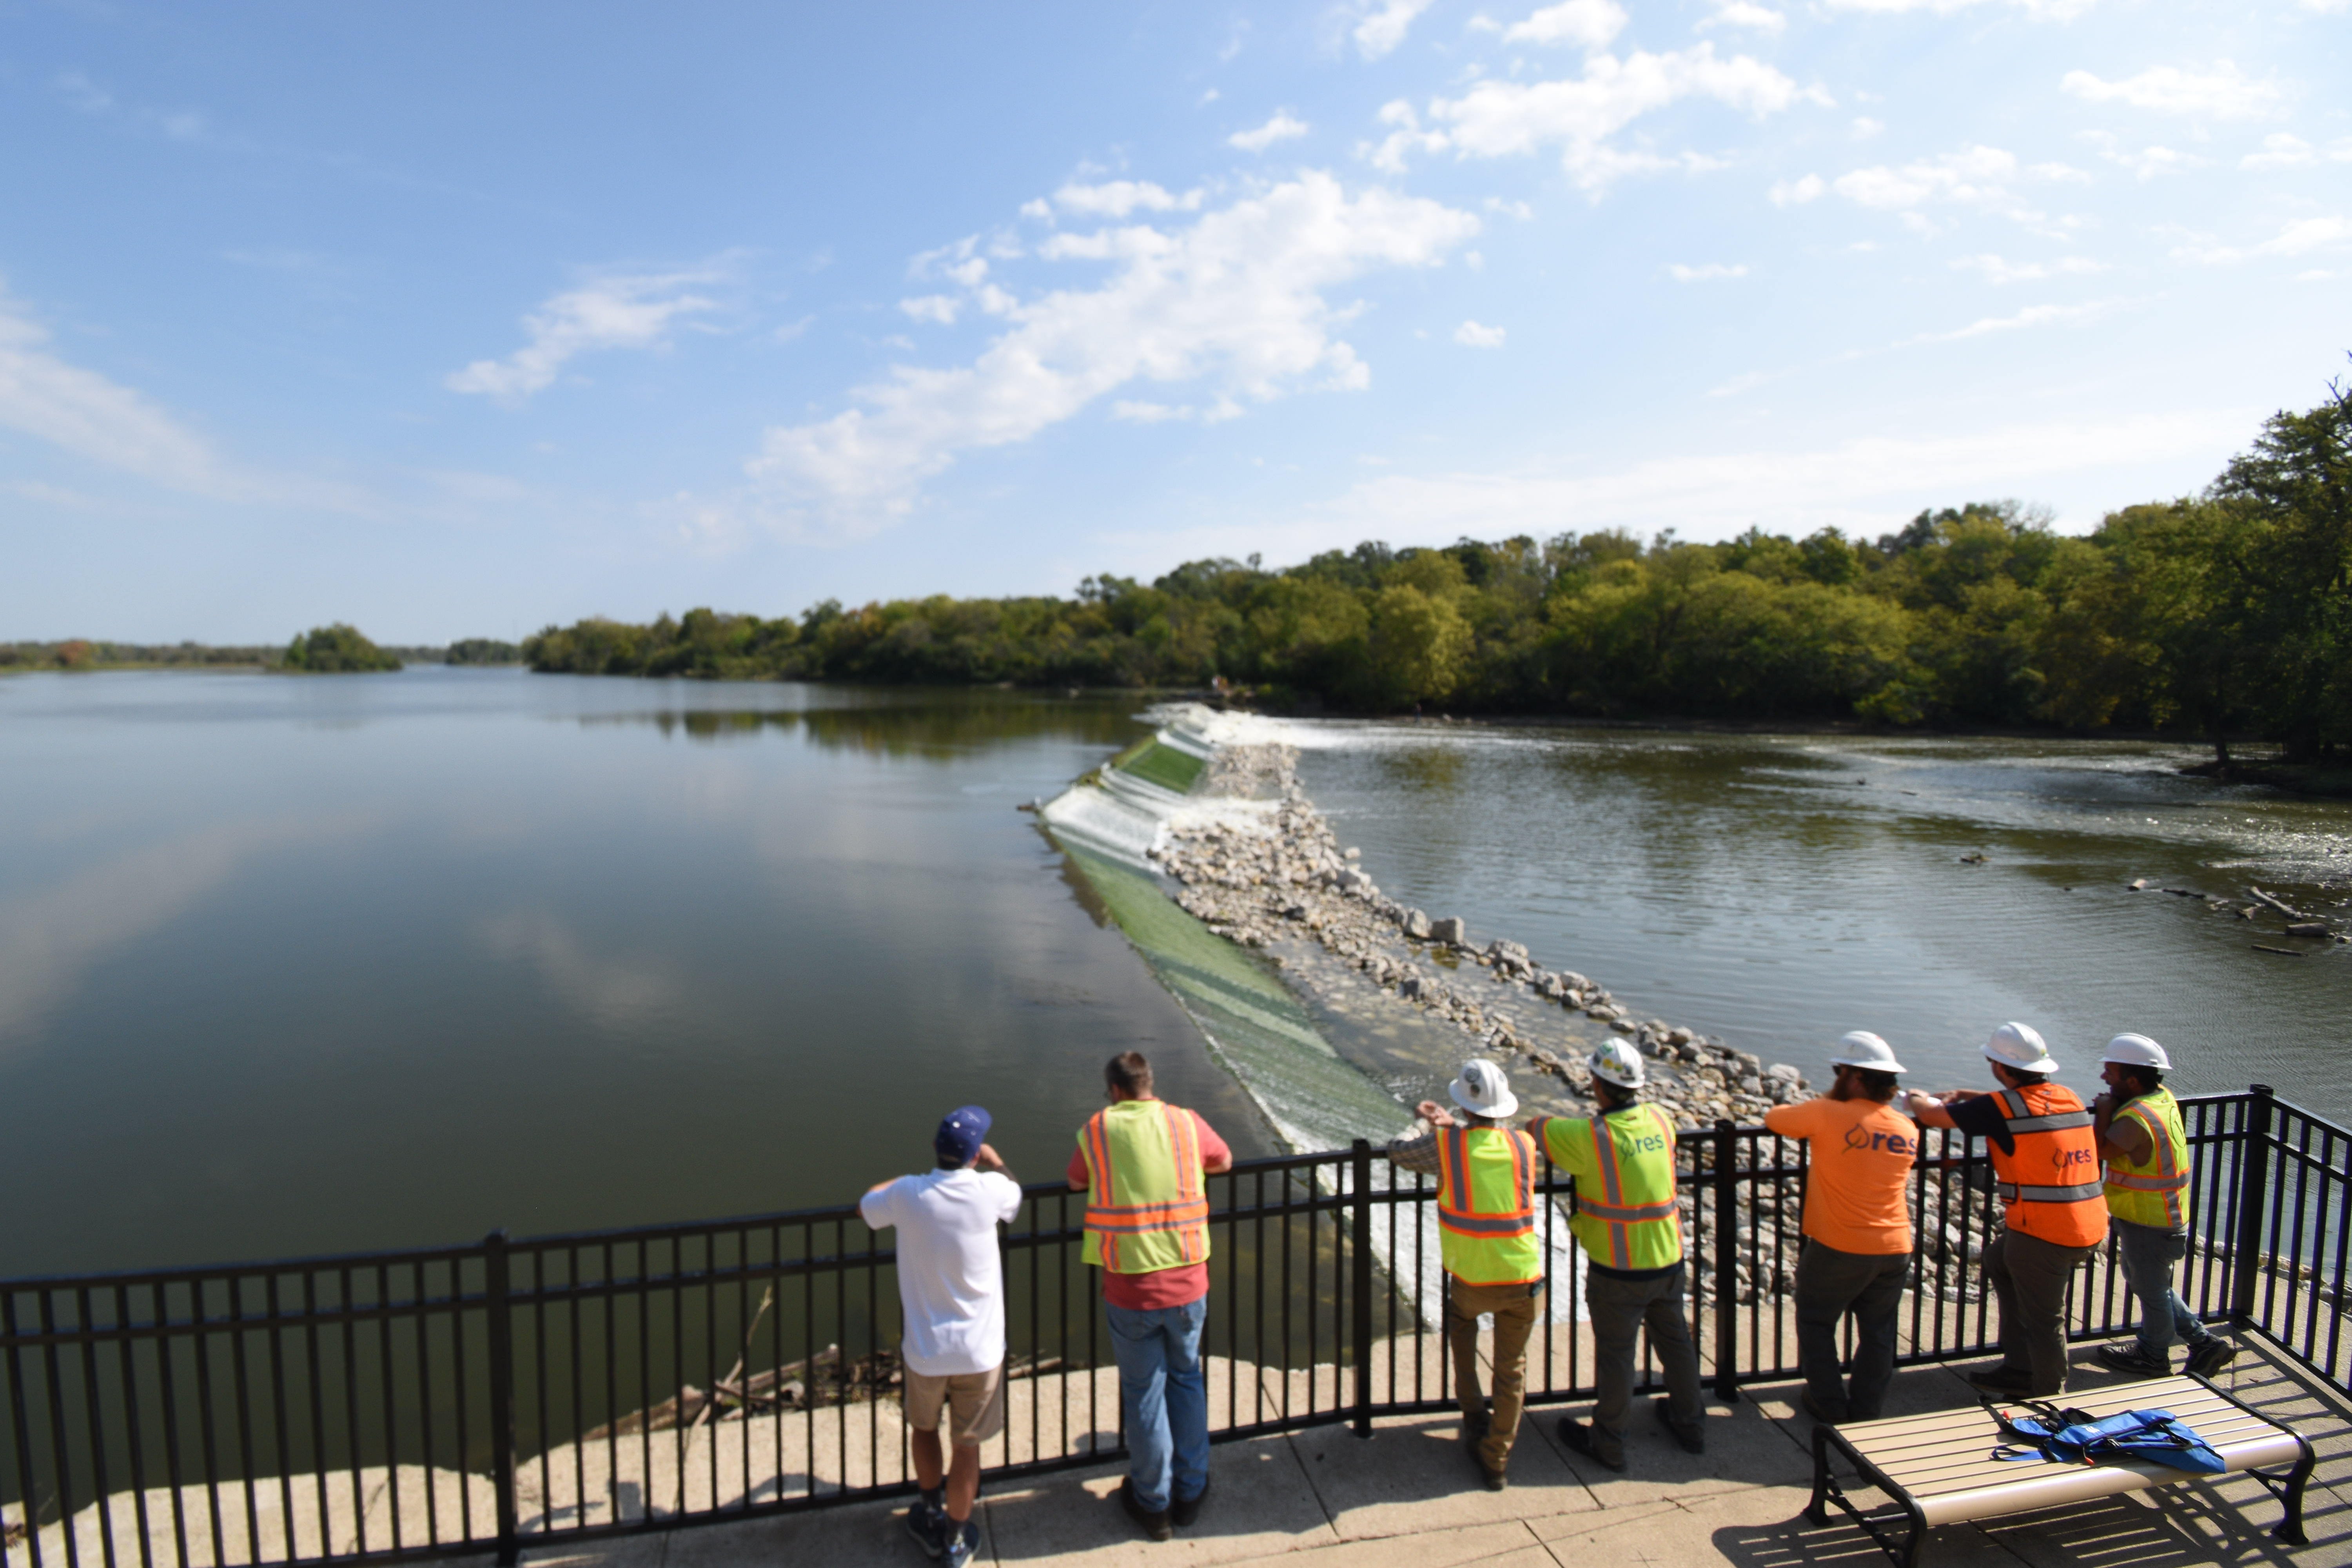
point(951, 1288)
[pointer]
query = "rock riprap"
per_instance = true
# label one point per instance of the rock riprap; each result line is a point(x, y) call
point(1282, 875)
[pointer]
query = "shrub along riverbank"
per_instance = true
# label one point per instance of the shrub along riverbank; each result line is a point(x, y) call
point(2226, 614)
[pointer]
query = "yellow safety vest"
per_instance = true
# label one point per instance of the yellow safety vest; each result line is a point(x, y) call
point(1146, 1207)
point(1486, 1205)
point(2153, 1192)
point(1625, 1211)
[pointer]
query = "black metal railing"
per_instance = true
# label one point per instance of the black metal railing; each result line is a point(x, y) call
point(516, 1393)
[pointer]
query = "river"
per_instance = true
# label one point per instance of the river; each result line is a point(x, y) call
point(293, 965)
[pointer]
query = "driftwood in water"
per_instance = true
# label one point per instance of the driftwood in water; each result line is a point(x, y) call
point(2280, 905)
point(810, 1383)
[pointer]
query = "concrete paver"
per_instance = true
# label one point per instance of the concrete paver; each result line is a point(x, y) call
point(1407, 1496)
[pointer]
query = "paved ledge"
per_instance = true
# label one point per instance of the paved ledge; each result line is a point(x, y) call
point(1408, 1496)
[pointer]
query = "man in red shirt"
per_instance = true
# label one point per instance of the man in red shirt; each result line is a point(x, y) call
point(1141, 1164)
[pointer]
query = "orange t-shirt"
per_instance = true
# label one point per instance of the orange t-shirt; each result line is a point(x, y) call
point(1856, 1199)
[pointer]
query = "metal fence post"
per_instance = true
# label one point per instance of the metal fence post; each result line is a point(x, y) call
point(2253, 1193)
point(495, 1297)
point(1360, 1282)
point(1726, 1265)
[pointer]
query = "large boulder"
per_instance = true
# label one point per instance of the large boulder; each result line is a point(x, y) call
point(1450, 931)
point(1416, 925)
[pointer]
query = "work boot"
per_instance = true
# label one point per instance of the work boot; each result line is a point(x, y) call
point(1828, 1416)
point(1591, 1442)
point(1153, 1520)
point(1186, 1510)
point(2003, 1380)
point(2134, 1361)
point(1691, 1434)
point(2209, 1355)
point(963, 1543)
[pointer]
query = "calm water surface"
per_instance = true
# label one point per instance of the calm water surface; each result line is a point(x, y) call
point(300, 965)
point(1779, 890)
point(293, 965)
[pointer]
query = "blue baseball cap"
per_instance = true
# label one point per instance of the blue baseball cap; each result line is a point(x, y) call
point(960, 1132)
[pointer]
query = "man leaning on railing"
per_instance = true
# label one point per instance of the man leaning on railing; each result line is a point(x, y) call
point(1140, 1164)
point(1487, 1238)
point(952, 1290)
point(1623, 1159)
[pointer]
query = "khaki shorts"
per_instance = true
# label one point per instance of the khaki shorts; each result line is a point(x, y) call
point(975, 1400)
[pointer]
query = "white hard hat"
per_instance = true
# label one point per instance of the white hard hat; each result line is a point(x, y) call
point(1482, 1089)
point(1863, 1049)
point(2016, 1045)
point(1616, 1062)
point(2138, 1051)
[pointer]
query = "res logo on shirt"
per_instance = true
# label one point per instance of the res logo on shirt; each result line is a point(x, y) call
point(1862, 1140)
point(2064, 1161)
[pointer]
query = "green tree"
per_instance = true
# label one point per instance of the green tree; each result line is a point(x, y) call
point(337, 649)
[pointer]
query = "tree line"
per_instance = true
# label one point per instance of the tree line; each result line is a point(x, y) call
point(2225, 614)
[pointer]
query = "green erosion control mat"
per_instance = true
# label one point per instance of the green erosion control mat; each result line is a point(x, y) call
point(1253, 1024)
point(1156, 764)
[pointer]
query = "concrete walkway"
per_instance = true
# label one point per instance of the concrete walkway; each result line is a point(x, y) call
point(1408, 1496)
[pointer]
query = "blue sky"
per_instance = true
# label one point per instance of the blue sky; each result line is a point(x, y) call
point(457, 319)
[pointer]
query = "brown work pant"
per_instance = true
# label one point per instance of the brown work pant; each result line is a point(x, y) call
point(1517, 1308)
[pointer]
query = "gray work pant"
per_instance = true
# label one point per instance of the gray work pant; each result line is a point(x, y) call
point(1830, 1284)
point(2148, 1256)
point(2028, 1275)
point(1620, 1309)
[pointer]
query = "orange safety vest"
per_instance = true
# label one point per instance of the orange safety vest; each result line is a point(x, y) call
point(1147, 1207)
point(2051, 1184)
point(1487, 1206)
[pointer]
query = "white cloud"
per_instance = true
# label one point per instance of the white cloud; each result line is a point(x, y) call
point(1281, 128)
point(2224, 92)
point(1589, 24)
point(2054, 10)
point(1865, 128)
point(1707, 271)
point(2281, 151)
point(940, 308)
point(1744, 13)
point(1996, 270)
point(621, 312)
point(89, 416)
point(1797, 192)
point(2298, 238)
point(1973, 174)
point(1509, 119)
point(1137, 413)
point(1471, 335)
point(2031, 316)
point(1382, 31)
point(1118, 198)
point(1237, 299)
point(1866, 484)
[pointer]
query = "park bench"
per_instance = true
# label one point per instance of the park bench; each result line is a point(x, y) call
point(1941, 1468)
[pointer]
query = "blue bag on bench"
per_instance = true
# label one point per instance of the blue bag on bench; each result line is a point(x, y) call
point(2077, 1437)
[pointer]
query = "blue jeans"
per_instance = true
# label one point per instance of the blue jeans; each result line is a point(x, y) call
point(2148, 1256)
point(1165, 1396)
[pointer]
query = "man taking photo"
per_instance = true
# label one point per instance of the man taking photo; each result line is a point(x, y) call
point(952, 1291)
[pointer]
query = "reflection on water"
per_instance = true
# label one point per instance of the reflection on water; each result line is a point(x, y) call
point(306, 965)
point(1779, 890)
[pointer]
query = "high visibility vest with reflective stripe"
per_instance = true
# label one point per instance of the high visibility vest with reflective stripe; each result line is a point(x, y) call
point(1625, 1214)
point(1146, 1207)
point(1487, 1206)
point(2051, 1184)
point(2155, 1191)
